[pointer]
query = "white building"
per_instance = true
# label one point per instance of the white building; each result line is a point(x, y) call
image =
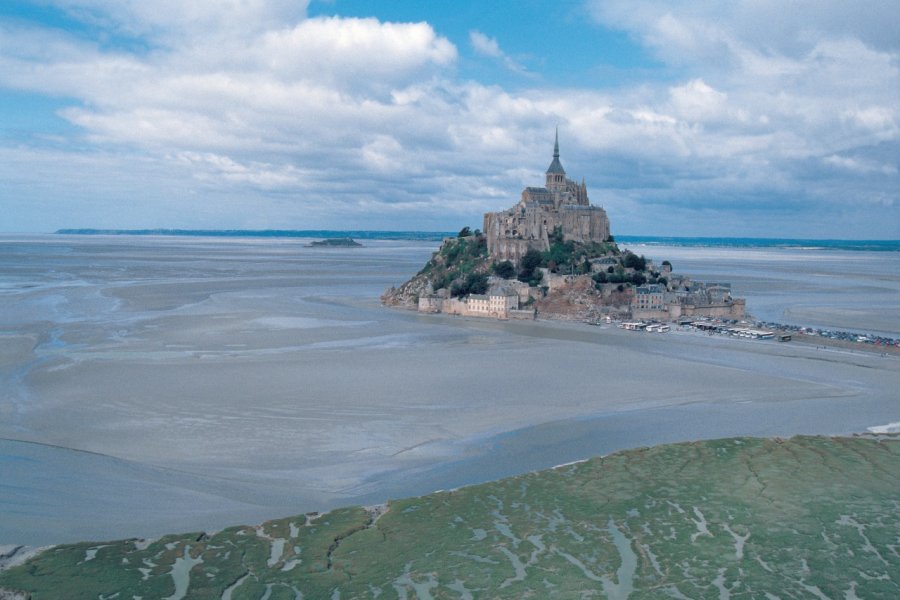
point(492, 305)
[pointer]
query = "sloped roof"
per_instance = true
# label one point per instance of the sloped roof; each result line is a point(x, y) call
point(556, 167)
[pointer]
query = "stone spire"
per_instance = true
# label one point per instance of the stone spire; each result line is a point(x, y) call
point(556, 167)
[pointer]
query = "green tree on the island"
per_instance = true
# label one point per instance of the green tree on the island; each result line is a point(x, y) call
point(464, 232)
point(531, 261)
point(451, 251)
point(585, 267)
point(441, 281)
point(561, 254)
point(557, 236)
point(504, 269)
point(474, 283)
point(477, 282)
point(633, 261)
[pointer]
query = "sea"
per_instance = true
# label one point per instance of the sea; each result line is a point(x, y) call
point(703, 242)
point(174, 380)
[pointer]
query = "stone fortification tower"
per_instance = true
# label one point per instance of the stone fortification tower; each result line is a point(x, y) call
point(530, 223)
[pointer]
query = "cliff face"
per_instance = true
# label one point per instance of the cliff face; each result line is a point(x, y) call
point(407, 295)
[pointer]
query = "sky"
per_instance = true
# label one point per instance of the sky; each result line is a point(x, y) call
point(685, 118)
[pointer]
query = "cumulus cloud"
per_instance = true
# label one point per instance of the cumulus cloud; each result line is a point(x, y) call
point(341, 51)
point(262, 175)
point(292, 88)
point(381, 154)
point(489, 47)
point(777, 95)
point(178, 22)
point(696, 101)
point(858, 165)
point(485, 45)
point(688, 29)
point(317, 115)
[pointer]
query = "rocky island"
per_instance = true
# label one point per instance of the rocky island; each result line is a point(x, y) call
point(552, 255)
point(343, 242)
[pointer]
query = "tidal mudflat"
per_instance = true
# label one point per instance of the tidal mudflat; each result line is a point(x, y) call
point(152, 385)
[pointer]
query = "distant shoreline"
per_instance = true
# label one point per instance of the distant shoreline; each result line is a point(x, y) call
point(713, 242)
point(269, 233)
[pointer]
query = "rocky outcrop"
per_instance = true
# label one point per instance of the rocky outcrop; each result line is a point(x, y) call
point(407, 295)
point(456, 262)
point(578, 299)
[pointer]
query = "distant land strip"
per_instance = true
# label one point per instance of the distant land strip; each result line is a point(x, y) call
point(748, 242)
point(270, 233)
point(719, 242)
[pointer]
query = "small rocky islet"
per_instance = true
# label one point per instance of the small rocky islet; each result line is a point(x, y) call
point(342, 242)
point(815, 517)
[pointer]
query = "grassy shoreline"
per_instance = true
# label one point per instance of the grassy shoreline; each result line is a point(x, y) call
point(749, 515)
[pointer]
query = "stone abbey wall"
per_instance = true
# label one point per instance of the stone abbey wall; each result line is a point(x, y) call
point(530, 223)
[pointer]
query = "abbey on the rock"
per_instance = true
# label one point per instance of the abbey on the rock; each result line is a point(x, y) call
point(560, 203)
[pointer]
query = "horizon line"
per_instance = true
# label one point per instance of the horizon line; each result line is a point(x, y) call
point(373, 233)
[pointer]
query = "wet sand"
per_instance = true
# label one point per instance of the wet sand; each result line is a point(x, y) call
point(164, 384)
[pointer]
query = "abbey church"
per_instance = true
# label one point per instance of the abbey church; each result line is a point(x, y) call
point(560, 203)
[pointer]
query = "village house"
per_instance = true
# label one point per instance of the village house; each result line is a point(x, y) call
point(649, 297)
point(693, 299)
point(496, 305)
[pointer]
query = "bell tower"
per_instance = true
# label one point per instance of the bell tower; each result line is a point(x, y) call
point(556, 175)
